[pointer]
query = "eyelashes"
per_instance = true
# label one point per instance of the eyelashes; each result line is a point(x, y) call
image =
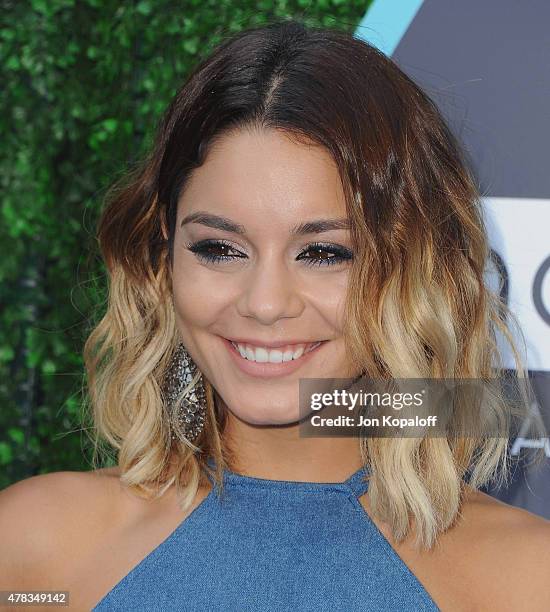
point(218, 251)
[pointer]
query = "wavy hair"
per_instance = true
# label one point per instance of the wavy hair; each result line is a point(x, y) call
point(417, 305)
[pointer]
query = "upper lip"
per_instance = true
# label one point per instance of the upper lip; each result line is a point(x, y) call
point(267, 344)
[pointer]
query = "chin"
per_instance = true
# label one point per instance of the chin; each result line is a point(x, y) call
point(269, 416)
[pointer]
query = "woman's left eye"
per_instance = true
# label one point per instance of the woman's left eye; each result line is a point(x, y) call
point(326, 254)
point(214, 251)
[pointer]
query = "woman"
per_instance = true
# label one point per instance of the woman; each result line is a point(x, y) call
point(304, 213)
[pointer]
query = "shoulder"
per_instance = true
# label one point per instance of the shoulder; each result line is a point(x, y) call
point(511, 550)
point(493, 516)
point(42, 516)
point(494, 557)
point(49, 495)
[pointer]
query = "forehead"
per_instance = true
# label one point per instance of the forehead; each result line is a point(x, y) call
point(263, 175)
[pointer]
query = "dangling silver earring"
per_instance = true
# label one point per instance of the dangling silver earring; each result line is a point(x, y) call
point(187, 412)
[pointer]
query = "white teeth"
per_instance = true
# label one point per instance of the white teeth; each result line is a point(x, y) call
point(275, 356)
point(264, 355)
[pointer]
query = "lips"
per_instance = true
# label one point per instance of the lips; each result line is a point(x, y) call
point(266, 369)
point(265, 354)
point(271, 345)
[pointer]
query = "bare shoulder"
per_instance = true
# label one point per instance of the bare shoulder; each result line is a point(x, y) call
point(511, 548)
point(58, 493)
point(42, 516)
point(491, 512)
point(494, 557)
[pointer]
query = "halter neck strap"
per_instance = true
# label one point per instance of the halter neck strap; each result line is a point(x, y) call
point(356, 483)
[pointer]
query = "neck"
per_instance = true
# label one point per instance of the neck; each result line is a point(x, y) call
point(279, 453)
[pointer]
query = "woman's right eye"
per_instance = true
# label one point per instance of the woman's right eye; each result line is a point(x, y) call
point(214, 251)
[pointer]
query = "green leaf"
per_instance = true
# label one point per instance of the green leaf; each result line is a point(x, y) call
point(144, 7)
point(6, 353)
point(110, 125)
point(6, 455)
point(48, 367)
point(191, 45)
point(16, 435)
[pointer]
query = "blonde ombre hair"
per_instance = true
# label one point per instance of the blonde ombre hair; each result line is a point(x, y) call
point(417, 305)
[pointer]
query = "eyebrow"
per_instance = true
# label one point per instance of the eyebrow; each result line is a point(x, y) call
point(223, 223)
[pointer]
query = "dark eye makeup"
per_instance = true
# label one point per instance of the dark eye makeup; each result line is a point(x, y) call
point(315, 254)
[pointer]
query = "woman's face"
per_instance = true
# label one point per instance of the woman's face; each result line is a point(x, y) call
point(247, 268)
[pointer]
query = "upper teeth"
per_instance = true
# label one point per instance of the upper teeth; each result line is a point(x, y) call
point(263, 354)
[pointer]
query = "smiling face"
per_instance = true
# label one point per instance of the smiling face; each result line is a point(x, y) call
point(249, 267)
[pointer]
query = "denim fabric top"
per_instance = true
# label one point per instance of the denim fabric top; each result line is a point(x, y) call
point(273, 546)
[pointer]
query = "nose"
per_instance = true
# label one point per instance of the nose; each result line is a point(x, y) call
point(270, 292)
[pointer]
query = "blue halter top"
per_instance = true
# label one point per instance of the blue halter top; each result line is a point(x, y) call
point(273, 546)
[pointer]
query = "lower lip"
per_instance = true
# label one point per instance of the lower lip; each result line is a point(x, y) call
point(266, 369)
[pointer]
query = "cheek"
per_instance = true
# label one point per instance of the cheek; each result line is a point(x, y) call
point(195, 304)
point(200, 295)
point(329, 298)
